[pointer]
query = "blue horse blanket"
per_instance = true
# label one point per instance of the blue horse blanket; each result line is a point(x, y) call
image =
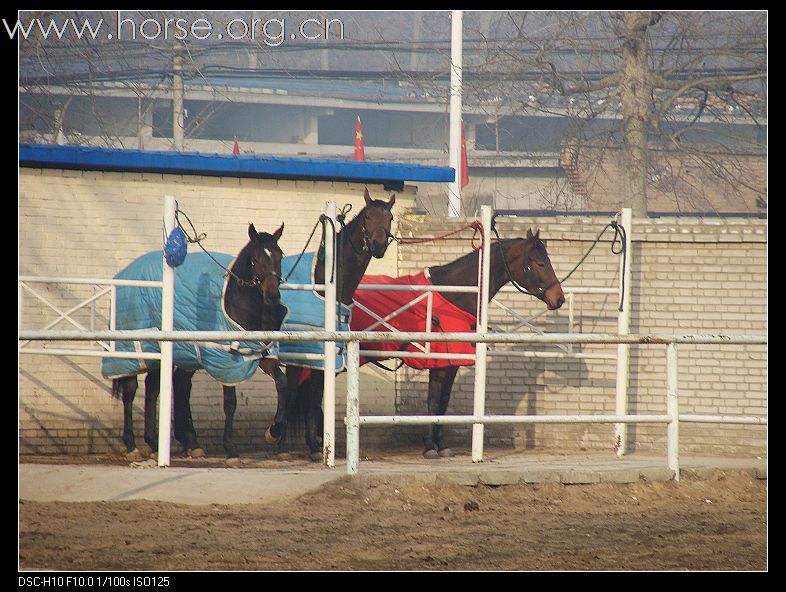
point(199, 306)
point(200, 286)
point(306, 312)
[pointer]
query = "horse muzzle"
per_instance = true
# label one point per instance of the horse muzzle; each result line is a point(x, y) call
point(378, 249)
point(554, 298)
point(271, 297)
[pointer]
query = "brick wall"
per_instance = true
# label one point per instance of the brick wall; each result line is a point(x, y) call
point(689, 276)
point(92, 224)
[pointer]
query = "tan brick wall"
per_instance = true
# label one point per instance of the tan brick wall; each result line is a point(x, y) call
point(92, 224)
point(689, 276)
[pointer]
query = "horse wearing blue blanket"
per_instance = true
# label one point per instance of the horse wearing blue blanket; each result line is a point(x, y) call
point(212, 292)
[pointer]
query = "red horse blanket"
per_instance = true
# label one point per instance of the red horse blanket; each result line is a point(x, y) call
point(445, 317)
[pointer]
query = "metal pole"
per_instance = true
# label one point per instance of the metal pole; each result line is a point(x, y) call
point(167, 324)
point(178, 118)
point(353, 407)
point(623, 328)
point(454, 148)
point(571, 318)
point(673, 411)
point(479, 406)
point(329, 392)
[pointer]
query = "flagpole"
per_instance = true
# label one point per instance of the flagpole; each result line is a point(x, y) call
point(454, 154)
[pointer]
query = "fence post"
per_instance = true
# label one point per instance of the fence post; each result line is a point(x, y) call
point(479, 406)
point(673, 410)
point(329, 390)
point(167, 324)
point(353, 407)
point(623, 328)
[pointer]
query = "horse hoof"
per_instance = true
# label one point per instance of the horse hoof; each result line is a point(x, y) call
point(445, 453)
point(154, 455)
point(430, 454)
point(197, 453)
point(270, 438)
point(284, 455)
point(316, 457)
point(135, 455)
point(234, 461)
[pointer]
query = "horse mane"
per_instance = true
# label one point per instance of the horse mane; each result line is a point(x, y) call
point(474, 253)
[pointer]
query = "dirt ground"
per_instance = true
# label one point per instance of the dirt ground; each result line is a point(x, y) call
point(372, 523)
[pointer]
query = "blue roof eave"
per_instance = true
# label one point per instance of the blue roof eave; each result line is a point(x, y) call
point(227, 165)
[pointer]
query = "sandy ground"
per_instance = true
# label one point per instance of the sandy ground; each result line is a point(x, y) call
point(374, 523)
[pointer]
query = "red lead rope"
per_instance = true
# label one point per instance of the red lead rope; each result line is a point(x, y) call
point(476, 226)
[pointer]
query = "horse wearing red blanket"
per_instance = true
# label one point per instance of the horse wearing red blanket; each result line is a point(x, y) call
point(522, 261)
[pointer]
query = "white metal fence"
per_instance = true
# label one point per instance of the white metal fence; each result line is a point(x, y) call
point(353, 420)
point(481, 338)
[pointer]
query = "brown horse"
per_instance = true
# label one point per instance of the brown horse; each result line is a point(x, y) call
point(367, 235)
point(522, 261)
point(251, 300)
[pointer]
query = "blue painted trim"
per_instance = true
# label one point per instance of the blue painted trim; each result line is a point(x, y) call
point(226, 165)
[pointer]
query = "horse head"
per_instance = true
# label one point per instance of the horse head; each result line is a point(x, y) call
point(530, 266)
point(265, 259)
point(376, 221)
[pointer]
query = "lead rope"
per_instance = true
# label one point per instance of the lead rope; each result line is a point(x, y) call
point(618, 230)
point(198, 238)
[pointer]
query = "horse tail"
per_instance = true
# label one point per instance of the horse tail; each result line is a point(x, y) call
point(121, 384)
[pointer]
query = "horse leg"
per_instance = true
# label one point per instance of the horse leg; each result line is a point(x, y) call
point(230, 404)
point(275, 432)
point(313, 416)
point(152, 388)
point(291, 409)
point(440, 385)
point(126, 388)
point(184, 424)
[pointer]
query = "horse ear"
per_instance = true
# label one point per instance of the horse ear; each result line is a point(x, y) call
point(277, 234)
point(391, 201)
point(529, 233)
point(537, 233)
point(366, 196)
point(252, 232)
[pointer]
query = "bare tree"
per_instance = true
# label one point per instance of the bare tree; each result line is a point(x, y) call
point(74, 68)
point(674, 82)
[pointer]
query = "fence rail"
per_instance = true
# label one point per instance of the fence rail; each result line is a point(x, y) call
point(389, 336)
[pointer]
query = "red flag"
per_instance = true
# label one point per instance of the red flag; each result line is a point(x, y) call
point(236, 148)
point(464, 165)
point(360, 153)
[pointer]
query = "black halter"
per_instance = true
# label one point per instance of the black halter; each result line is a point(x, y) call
point(527, 269)
point(256, 279)
point(364, 233)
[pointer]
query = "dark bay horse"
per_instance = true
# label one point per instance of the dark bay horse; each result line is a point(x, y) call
point(367, 235)
point(523, 261)
point(252, 301)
